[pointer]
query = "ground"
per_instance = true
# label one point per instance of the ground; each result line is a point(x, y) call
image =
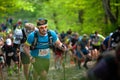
point(70, 72)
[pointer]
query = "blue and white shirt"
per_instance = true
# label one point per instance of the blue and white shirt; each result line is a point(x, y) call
point(42, 48)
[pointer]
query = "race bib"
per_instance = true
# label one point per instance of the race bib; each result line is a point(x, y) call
point(43, 52)
point(10, 54)
point(18, 37)
point(95, 40)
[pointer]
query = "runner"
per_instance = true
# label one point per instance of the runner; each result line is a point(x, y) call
point(29, 27)
point(40, 55)
point(96, 42)
point(58, 54)
point(79, 56)
point(2, 59)
point(17, 37)
point(10, 55)
point(114, 39)
point(84, 44)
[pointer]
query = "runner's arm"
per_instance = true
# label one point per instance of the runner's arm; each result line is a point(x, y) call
point(60, 45)
point(26, 48)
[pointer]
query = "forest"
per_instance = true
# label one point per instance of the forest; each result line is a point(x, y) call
point(82, 16)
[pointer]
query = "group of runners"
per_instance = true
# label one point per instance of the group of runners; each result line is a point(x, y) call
point(107, 66)
point(28, 44)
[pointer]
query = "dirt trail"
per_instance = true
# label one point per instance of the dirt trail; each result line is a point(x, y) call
point(71, 72)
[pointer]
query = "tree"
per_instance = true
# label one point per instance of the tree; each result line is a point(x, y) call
point(10, 6)
point(112, 14)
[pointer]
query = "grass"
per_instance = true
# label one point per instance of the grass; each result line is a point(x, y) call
point(70, 72)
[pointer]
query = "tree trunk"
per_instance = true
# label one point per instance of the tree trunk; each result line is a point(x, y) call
point(80, 15)
point(106, 19)
point(117, 11)
point(106, 6)
point(55, 21)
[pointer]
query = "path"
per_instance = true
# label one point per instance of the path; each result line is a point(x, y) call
point(70, 73)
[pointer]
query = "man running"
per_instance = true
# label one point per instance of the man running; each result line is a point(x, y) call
point(28, 28)
point(41, 52)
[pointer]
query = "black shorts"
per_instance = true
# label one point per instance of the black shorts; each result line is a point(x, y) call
point(9, 58)
point(96, 47)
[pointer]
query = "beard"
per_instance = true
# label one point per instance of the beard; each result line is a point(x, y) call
point(44, 32)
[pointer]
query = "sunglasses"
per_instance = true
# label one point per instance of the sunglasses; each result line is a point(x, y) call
point(41, 27)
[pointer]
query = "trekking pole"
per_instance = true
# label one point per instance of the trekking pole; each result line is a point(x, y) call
point(17, 68)
point(31, 72)
point(63, 64)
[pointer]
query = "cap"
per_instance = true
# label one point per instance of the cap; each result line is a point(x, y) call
point(25, 21)
point(41, 21)
point(9, 41)
point(84, 35)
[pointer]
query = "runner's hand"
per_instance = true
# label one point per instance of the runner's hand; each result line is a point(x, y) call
point(63, 48)
point(32, 60)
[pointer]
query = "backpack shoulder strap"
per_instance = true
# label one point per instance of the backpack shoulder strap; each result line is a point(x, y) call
point(23, 32)
point(36, 39)
point(24, 36)
point(49, 37)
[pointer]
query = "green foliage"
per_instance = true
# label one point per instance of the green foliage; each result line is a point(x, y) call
point(10, 6)
point(82, 16)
